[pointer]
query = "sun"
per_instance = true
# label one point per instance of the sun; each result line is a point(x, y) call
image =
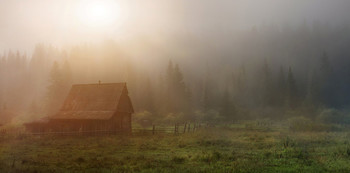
point(98, 13)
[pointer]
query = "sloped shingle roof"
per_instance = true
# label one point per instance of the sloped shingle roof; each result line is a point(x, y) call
point(91, 101)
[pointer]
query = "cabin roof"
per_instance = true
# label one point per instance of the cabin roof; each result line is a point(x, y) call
point(92, 101)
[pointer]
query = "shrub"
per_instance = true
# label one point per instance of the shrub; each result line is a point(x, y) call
point(170, 118)
point(144, 119)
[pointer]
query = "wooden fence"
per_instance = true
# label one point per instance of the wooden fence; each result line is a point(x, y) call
point(155, 129)
point(176, 129)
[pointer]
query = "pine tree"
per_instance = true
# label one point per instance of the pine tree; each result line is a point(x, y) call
point(170, 88)
point(179, 84)
point(56, 90)
point(267, 93)
point(227, 107)
point(205, 97)
point(182, 93)
point(326, 92)
point(66, 75)
point(239, 87)
point(292, 91)
point(242, 80)
point(312, 98)
point(206, 93)
point(281, 87)
point(170, 74)
point(149, 95)
point(160, 96)
point(178, 95)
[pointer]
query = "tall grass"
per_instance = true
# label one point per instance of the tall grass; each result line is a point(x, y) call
point(233, 148)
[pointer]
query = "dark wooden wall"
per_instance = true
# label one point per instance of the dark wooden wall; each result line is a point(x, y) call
point(121, 122)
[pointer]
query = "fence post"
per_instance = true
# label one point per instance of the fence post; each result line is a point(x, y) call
point(194, 127)
point(175, 130)
point(185, 128)
point(189, 127)
point(153, 129)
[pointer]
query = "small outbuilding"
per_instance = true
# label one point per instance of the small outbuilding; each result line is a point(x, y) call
point(90, 108)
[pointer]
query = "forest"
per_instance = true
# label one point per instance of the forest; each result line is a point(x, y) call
point(289, 74)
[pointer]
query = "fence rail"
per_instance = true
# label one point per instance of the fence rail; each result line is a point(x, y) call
point(176, 129)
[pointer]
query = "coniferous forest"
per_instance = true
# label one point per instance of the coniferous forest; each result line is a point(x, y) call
point(290, 74)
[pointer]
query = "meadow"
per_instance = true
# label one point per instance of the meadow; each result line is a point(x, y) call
point(231, 148)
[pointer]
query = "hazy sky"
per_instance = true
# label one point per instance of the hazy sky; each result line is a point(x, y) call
point(23, 23)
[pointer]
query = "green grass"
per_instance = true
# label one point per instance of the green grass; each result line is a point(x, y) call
point(217, 149)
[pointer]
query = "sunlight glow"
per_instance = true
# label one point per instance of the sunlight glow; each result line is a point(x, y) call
point(98, 13)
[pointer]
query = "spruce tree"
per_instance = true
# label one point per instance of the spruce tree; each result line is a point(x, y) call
point(281, 90)
point(292, 91)
point(227, 108)
point(267, 92)
point(205, 97)
point(326, 92)
point(149, 97)
point(182, 97)
point(239, 86)
point(312, 98)
point(170, 88)
point(66, 75)
point(56, 90)
point(242, 80)
point(207, 92)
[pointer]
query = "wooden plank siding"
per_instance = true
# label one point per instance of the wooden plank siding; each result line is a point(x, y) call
point(90, 107)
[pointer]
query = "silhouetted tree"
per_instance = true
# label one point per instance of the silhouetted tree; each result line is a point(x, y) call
point(281, 88)
point(326, 92)
point(267, 90)
point(148, 97)
point(227, 107)
point(182, 93)
point(57, 89)
point(292, 91)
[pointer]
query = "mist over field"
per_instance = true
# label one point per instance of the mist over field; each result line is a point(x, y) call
point(244, 69)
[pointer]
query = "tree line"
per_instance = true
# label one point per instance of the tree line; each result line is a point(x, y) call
point(263, 80)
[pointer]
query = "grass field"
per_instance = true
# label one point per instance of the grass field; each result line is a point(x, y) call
point(211, 149)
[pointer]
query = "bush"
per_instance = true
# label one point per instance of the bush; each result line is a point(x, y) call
point(144, 119)
point(171, 118)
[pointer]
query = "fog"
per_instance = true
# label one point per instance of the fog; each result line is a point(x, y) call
point(26, 23)
point(234, 59)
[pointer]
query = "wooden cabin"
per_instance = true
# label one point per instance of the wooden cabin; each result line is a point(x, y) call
point(90, 108)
